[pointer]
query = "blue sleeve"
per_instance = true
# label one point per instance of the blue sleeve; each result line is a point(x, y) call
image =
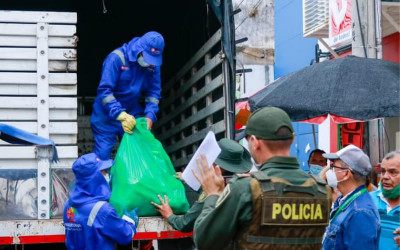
point(362, 225)
point(153, 95)
point(115, 228)
point(109, 79)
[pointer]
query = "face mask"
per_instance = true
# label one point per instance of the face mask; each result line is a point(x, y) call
point(315, 169)
point(107, 177)
point(332, 179)
point(142, 62)
point(392, 193)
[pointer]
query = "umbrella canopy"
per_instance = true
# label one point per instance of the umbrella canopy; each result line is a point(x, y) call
point(349, 87)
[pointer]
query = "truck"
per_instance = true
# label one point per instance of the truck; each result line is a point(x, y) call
point(44, 92)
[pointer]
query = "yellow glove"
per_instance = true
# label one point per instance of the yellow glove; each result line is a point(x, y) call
point(128, 121)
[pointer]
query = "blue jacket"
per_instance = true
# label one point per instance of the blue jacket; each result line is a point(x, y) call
point(104, 228)
point(389, 221)
point(357, 226)
point(122, 86)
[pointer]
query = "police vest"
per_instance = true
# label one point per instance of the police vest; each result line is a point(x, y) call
point(286, 216)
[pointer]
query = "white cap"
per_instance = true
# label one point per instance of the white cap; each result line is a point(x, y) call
point(357, 160)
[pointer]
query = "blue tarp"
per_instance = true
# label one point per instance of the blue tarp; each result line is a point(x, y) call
point(14, 135)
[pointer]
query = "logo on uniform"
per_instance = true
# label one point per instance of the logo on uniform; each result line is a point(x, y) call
point(155, 51)
point(124, 67)
point(294, 211)
point(71, 214)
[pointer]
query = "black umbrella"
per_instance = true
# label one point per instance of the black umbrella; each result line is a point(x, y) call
point(351, 87)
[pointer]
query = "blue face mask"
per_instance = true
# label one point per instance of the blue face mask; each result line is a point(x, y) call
point(315, 169)
point(142, 62)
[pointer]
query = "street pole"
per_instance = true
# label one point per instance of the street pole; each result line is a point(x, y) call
point(363, 18)
point(378, 29)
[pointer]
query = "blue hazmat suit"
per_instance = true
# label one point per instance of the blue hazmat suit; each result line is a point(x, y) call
point(123, 84)
point(90, 221)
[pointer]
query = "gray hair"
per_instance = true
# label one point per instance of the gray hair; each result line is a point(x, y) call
point(390, 155)
point(359, 178)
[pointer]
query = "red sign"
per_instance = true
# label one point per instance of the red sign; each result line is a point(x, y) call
point(352, 133)
point(339, 22)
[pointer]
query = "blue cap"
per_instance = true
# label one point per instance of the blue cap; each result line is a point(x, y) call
point(153, 46)
point(88, 163)
point(105, 164)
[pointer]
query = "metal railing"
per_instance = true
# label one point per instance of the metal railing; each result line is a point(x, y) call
point(193, 103)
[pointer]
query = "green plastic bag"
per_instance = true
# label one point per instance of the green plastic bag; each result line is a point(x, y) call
point(142, 170)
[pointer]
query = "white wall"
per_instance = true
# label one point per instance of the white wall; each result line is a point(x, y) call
point(251, 82)
point(324, 136)
point(255, 21)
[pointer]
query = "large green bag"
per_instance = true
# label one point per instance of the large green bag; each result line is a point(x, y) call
point(141, 171)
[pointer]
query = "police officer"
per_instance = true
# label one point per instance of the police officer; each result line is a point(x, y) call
point(234, 158)
point(278, 207)
point(129, 73)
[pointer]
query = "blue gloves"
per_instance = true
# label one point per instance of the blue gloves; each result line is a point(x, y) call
point(133, 214)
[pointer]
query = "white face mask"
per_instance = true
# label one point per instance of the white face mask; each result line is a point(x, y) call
point(332, 178)
point(142, 62)
point(107, 177)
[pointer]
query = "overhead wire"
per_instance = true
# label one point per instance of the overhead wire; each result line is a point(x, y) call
point(254, 7)
point(240, 4)
point(104, 7)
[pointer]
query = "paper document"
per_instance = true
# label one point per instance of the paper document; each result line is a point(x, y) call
point(209, 147)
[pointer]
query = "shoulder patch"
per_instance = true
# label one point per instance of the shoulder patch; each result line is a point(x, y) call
point(224, 195)
point(202, 197)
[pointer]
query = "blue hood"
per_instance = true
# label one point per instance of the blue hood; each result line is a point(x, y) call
point(133, 48)
point(90, 184)
point(150, 44)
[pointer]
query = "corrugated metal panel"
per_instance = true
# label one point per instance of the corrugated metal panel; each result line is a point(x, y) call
point(32, 50)
point(21, 57)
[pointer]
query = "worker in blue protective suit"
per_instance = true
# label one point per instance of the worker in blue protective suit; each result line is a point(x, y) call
point(130, 74)
point(90, 221)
